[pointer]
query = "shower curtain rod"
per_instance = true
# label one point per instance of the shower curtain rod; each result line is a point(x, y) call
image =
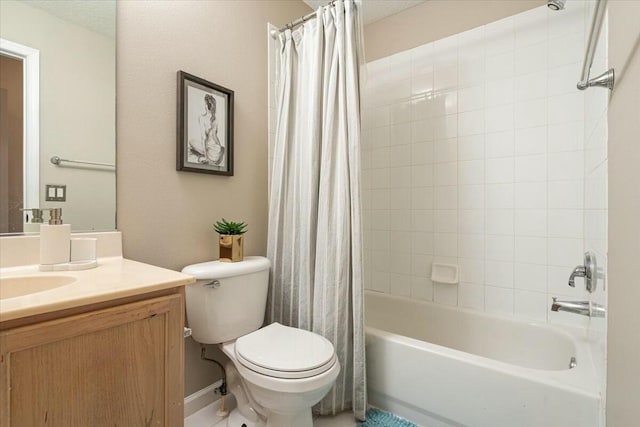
point(291, 25)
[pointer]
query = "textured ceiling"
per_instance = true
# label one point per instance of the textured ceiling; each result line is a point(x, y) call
point(374, 10)
point(95, 15)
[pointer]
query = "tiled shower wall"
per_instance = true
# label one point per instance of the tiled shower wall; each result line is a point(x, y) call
point(476, 149)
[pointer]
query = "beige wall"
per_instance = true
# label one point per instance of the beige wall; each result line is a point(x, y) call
point(77, 109)
point(11, 145)
point(623, 372)
point(433, 20)
point(167, 216)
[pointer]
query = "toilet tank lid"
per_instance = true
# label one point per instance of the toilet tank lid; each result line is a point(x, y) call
point(221, 270)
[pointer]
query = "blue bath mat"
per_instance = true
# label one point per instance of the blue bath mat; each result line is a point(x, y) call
point(378, 418)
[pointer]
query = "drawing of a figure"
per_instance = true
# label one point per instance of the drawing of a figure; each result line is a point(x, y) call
point(208, 149)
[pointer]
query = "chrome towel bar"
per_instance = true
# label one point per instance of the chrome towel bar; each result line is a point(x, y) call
point(57, 161)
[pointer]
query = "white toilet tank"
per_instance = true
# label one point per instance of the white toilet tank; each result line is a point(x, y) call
point(228, 299)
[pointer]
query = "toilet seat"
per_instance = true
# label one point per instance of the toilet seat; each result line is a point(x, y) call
point(283, 352)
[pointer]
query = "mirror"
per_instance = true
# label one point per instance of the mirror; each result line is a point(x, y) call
point(57, 113)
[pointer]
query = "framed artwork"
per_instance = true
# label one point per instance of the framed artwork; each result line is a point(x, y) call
point(205, 126)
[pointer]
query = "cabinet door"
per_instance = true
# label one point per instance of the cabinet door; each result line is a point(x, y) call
point(121, 366)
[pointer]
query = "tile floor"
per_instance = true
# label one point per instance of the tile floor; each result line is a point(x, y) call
point(206, 417)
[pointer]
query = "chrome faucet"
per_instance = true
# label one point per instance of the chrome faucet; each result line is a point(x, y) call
point(585, 308)
point(589, 271)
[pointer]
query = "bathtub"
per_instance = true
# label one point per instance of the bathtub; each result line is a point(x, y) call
point(443, 366)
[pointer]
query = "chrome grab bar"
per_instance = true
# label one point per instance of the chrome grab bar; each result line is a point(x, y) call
point(606, 79)
point(57, 160)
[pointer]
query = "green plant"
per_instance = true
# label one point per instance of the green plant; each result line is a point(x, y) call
point(230, 227)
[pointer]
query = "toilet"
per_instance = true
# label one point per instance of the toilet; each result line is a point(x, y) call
point(277, 373)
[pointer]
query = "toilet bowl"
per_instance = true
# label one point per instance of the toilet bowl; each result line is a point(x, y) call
point(277, 372)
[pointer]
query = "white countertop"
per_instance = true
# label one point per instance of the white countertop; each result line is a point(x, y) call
point(114, 278)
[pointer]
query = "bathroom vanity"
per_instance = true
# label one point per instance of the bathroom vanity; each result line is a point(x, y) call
point(99, 347)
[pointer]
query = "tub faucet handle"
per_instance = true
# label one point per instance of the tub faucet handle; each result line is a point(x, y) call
point(579, 271)
point(589, 271)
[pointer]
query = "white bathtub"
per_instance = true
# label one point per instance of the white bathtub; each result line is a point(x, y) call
point(442, 366)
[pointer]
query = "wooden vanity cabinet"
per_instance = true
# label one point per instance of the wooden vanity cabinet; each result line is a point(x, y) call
point(117, 365)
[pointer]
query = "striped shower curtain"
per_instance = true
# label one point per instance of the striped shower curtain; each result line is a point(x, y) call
point(315, 230)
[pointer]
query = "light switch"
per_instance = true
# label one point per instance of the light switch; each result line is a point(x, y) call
point(56, 193)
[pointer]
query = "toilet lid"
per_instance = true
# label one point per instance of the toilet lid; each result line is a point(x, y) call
point(285, 352)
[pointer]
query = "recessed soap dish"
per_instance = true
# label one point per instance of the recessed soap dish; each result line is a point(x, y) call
point(444, 273)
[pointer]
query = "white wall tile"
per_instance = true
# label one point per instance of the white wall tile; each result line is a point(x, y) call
point(499, 222)
point(400, 285)
point(566, 137)
point(422, 176)
point(531, 59)
point(445, 221)
point(530, 113)
point(477, 149)
point(498, 300)
point(567, 165)
point(445, 150)
point(499, 248)
point(531, 195)
point(531, 277)
point(421, 198)
point(566, 49)
point(566, 195)
point(499, 66)
point(532, 250)
point(499, 144)
point(471, 270)
point(566, 223)
point(422, 243)
point(471, 147)
point(421, 288)
point(499, 171)
point(470, 98)
point(422, 220)
point(531, 168)
point(499, 273)
point(471, 123)
point(566, 108)
point(471, 246)
point(531, 141)
point(471, 172)
point(445, 197)
point(531, 222)
point(421, 265)
point(531, 305)
point(499, 118)
point(400, 113)
point(499, 92)
point(445, 244)
point(445, 294)
point(531, 86)
point(471, 296)
point(500, 196)
point(445, 173)
point(421, 153)
point(565, 252)
point(400, 134)
point(472, 196)
point(471, 221)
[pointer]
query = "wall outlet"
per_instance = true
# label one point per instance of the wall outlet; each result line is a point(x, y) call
point(56, 193)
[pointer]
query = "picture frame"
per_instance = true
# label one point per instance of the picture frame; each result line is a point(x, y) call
point(204, 142)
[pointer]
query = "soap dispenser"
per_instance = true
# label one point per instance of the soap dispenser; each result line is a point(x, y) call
point(55, 241)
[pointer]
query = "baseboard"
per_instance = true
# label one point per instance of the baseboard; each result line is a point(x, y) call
point(201, 398)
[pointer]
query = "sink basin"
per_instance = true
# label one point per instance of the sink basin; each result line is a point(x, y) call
point(11, 287)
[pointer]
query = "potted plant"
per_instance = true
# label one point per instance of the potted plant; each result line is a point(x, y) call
point(231, 239)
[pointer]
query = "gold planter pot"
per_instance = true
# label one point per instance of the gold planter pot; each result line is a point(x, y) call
point(231, 247)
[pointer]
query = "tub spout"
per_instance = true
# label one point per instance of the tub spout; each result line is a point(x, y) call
point(584, 308)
